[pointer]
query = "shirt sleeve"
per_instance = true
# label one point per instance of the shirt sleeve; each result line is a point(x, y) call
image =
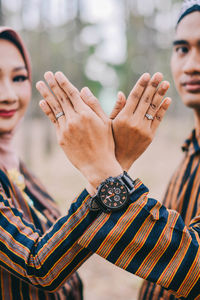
point(45, 261)
point(150, 241)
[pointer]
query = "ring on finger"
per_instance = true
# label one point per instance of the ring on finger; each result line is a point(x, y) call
point(60, 114)
point(149, 117)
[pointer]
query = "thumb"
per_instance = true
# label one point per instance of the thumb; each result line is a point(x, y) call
point(120, 103)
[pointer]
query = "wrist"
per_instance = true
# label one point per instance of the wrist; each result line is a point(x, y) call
point(96, 174)
point(91, 190)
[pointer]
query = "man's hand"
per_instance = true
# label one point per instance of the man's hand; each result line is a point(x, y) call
point(83, 131)
point(132, 130)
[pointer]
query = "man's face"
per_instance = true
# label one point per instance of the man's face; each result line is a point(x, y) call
point(185, 61)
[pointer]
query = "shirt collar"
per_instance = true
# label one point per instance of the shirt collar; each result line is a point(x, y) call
point(192, 144)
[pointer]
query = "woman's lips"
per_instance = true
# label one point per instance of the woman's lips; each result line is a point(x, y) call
point(7, 113)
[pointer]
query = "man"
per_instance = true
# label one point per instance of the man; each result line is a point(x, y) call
point(183, 194)
point(183, 191)
point(127, 228)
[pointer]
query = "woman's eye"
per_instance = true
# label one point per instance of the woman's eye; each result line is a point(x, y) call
point(20, 78)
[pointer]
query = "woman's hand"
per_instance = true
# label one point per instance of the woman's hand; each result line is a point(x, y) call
point(83, 131)
point(132, 130)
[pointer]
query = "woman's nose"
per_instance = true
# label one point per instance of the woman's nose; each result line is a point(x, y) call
point(7, 92)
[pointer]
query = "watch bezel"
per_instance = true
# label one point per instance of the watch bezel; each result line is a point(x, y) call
point(99, 200)
point(125, 180)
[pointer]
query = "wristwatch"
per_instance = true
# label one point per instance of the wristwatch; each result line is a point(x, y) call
point(113, 193)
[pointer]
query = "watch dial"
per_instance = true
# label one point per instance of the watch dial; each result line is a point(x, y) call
point(113, 195)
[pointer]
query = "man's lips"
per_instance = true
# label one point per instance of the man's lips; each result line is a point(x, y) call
point(192, 86)
point(7, 113)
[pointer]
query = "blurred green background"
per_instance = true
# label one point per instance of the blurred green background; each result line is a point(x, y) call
point(106, 45)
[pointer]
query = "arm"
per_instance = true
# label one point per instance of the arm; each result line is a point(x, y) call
point(150, 241)
point(45, 261)
point(145, 238)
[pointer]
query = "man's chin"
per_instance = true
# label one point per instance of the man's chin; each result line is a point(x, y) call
point(192, 101)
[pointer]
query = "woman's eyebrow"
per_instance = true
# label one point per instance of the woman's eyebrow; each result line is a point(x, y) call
point(20, 68)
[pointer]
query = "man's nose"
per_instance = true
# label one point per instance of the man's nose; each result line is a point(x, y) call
point(7, 93)
point(192, 63)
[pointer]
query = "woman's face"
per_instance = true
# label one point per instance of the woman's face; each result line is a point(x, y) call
point(15, 87)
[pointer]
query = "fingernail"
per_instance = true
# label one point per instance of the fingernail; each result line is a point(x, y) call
point(165, 85)
point(38, 85)
point(87, 92)
point(146, 76)
point(58, 75)
point(42, 103)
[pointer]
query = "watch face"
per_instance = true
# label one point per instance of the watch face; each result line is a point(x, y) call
point(113, 195)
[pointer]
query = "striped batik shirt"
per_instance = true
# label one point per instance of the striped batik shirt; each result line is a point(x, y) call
point(37, 259)
point(158, 244)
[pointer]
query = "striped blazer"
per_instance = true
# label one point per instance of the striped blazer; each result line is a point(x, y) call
point(145, 238)
point(158, 244)
point(39, 252)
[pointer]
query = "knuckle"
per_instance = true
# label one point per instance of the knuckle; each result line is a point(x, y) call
point(161, 91)
point(62, 98)
point(61, 141)
point(158, 117)
point(52, 85)
point(83, 114)
point(149, 138)
point(63, 83)
point(147, 99)
point(48, 112)
point(154, 106)
point(135, 127)
point(136, 95)
point(72, 92)
point(154, 84)
point(45, 95)
point(55, 108)
point(143, 83)
point(71, 126)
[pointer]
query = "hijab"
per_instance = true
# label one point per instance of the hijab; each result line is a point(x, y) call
point(8, 157)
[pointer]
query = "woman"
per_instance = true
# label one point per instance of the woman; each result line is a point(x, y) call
point(30, 266)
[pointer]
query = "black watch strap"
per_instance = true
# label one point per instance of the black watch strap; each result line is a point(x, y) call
point(128, 181)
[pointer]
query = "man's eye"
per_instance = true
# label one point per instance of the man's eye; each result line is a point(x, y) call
point(182, 50)
point(20, 78)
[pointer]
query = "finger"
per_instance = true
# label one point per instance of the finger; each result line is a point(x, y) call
point(72, 92)
point(60, 95)
point(92, 102)
point(136, 93)
point(148, 94)
point(52, 102)
point(120, 103)
point(160, 113)
point(48, 112)
point(158, 97)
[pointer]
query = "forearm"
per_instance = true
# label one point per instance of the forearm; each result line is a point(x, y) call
point(150, 241)
point(45, 261)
